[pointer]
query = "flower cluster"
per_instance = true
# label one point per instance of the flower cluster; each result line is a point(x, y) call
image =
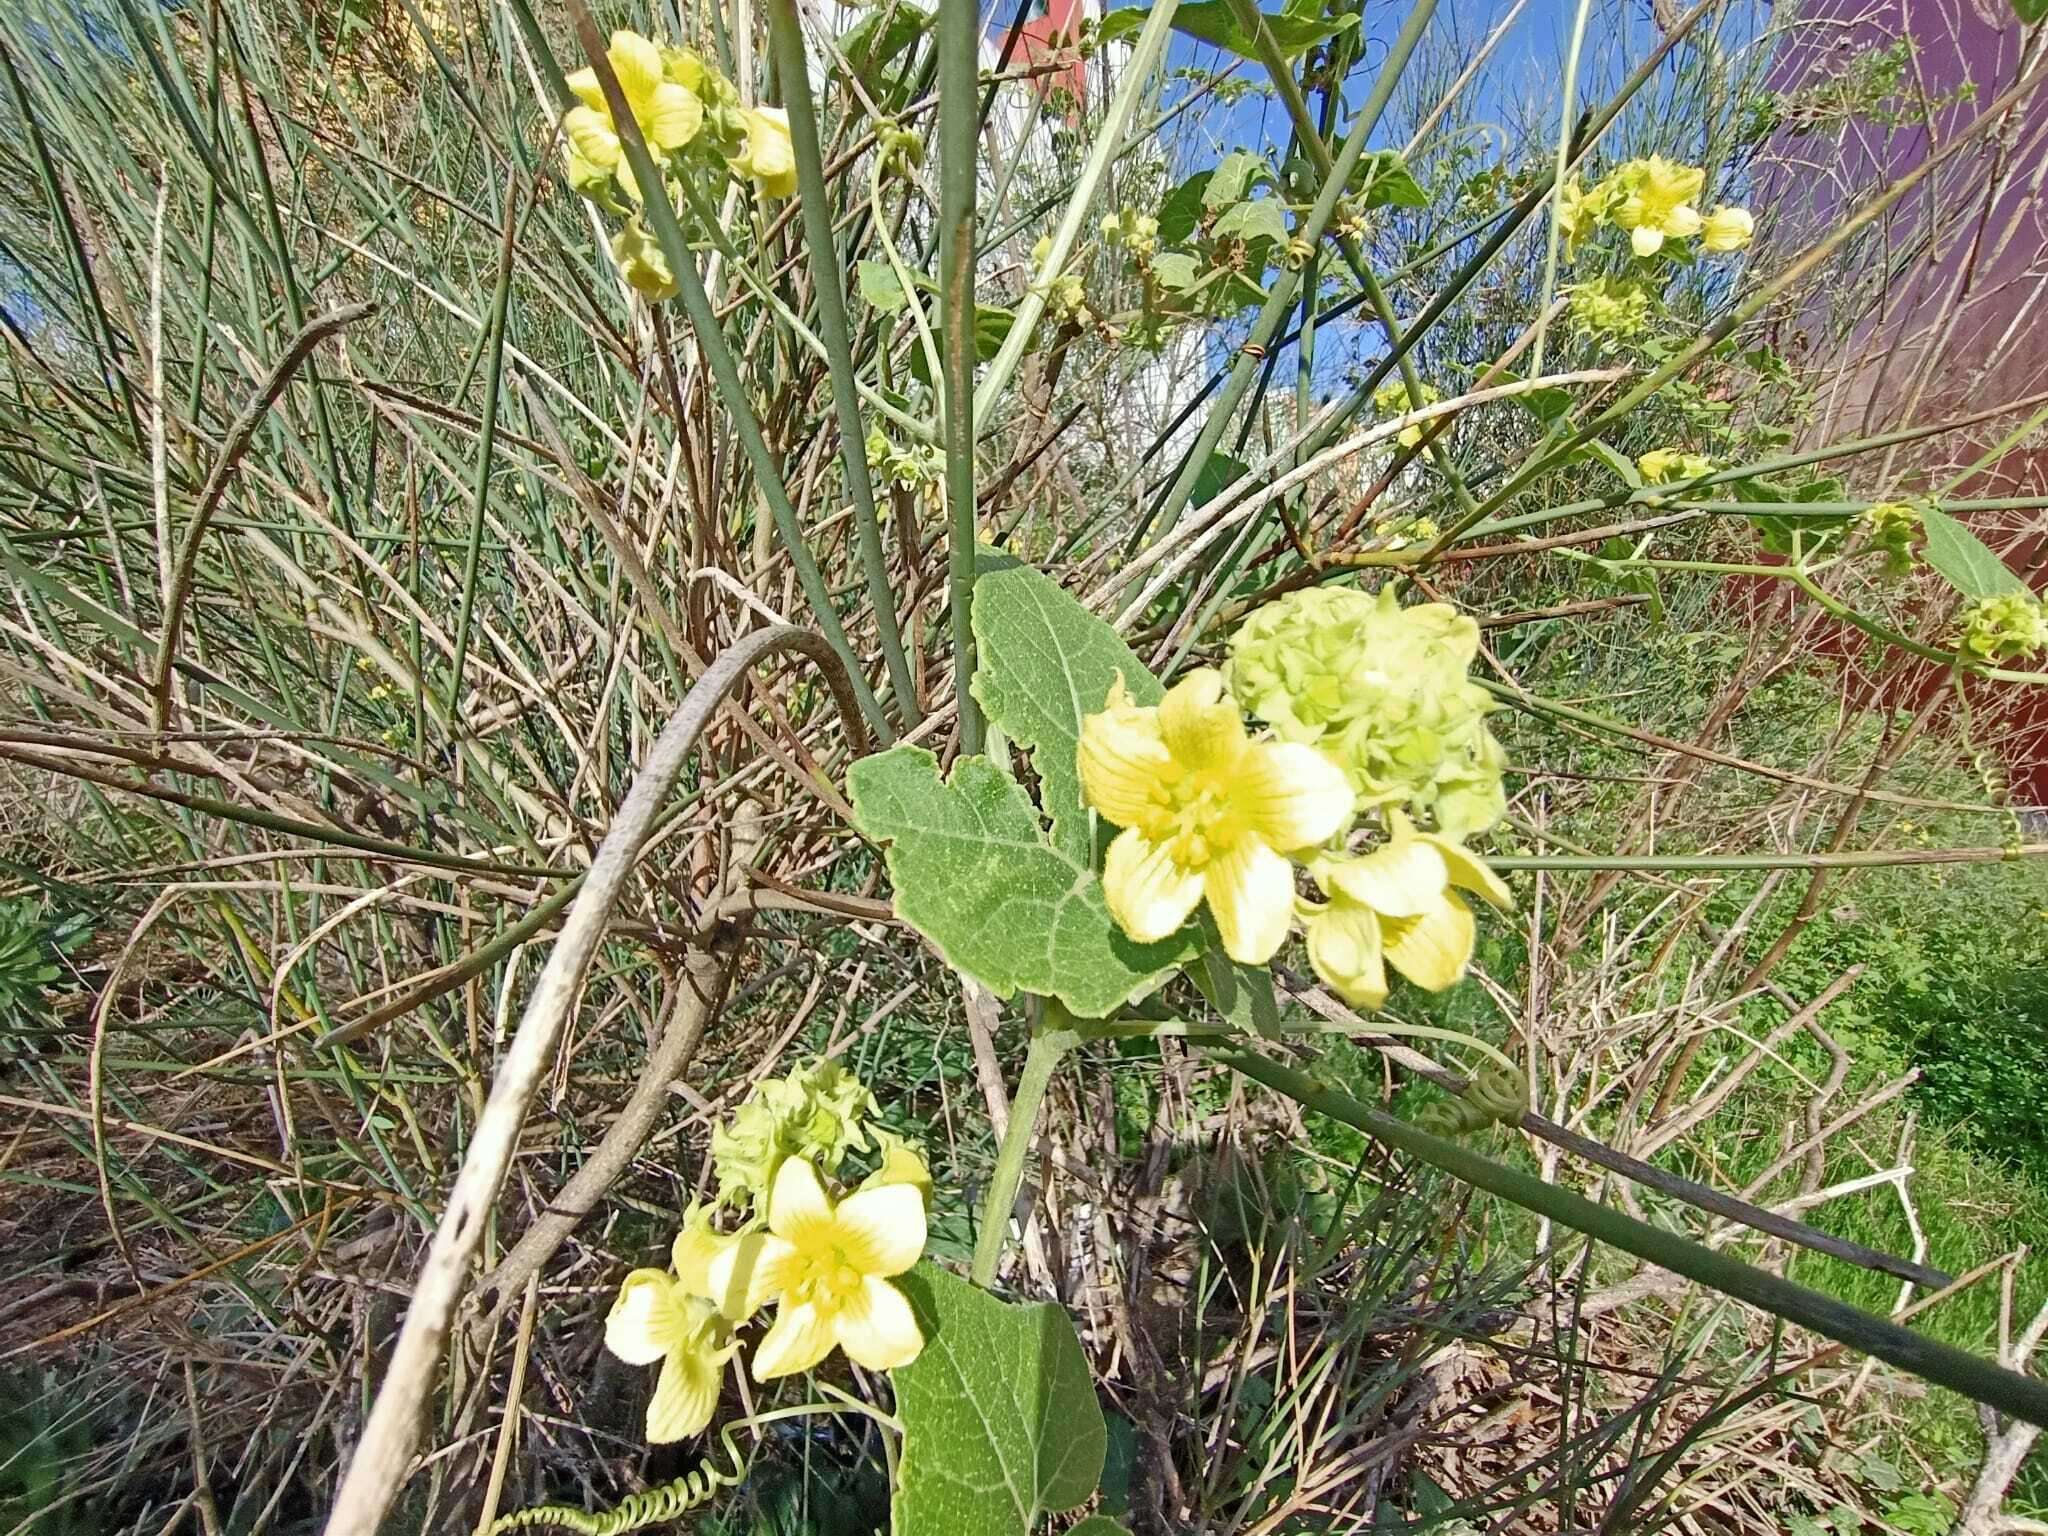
point(1654, 200)
point(1610, 306)
point(824, 1258)
point(1211, 813)
point(1893, 526)
point(1382, 691)
point(1136, 232)
point(687, 113)
point(1391, 399)
point(917, 466)
point(2005, 627)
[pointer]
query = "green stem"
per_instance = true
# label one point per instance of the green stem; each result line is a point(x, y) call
point(1683, 863)
point(1054, 1037)
point(792, 67)
point(1923, 1357)
point(959, 47)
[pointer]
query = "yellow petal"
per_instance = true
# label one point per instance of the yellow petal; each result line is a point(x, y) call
point(671, 116)
point(685, 1394)
point(637, 63)
point(1291, 795)
point(1432, 950)
point(589, 135)
point(747, 1271)
point(901, 1164)
point(648, 1319)
point(1148, 894)
point(584, 83)
point(1682, 221)
point(695, 1247)
point(1251, 891)
point(1469, 872)
point(1123, 763)
point(797, 1340)
point(1646, 240)
point(1202, 728)
point(881, 1230)
point(1405, 878)
point(797, 1203)
point(1344, 948)
point(876, 1327)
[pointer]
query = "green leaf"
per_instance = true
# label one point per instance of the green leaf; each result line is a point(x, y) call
point(881, 36)
point(1213, 21)
point(1100, 1525)
point(2030, 11)
point(1000, 1421)
point(1383, 176)
point(1236, 174)
point(1180, 215)
point(1259, 219)
point(1964, 559)
point(991, 324)
point(1242, 994)
point(973, 872)
point(1176, 271)
point(880, 288)
point(1045, 664)
point(1620, 463)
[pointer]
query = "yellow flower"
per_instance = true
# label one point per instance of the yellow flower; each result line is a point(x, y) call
point(642, 263)
point(1391, 399)
point(767, 155)
point(1206, 811)
point(667, 113)
point(1655, 202)
point(1397, 905)
point(1660, 465)
point(901, 1164)
point(1727, 229)
point(655, 1318)
point(827, 1265)
point(1579, 212)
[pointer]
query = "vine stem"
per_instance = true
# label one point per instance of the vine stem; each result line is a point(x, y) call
point(1955, 1369)
point(1050, 1042)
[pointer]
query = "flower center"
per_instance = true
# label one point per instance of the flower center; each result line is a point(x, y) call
point(1201, 823)
point(827, 1280)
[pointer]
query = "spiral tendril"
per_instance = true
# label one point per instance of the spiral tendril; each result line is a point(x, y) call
point(653, 1507)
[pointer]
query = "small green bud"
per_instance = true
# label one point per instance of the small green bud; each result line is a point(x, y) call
point(816, 1111)
point(1893, 526)
point(2005, 627)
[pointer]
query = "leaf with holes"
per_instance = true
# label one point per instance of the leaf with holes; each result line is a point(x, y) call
point(1000, 1421)
point(974, 872)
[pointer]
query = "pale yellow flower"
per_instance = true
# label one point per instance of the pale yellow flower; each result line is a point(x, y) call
point(667, 113)
point(656, 1318)
point(1655, 202)
point(642, 263)
point(1579, 212)
point(1727, 229)
point(767, 156)
point(827, 1266)
point(1206, 812)
point(1660, 465)
point(1399, 906)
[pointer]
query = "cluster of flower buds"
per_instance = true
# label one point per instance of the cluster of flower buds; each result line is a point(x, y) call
point(2004, 628)
point(1610, 306)
point(1136, 232)
point(793, 1235)
point(1392, 399)
point(1893, 526)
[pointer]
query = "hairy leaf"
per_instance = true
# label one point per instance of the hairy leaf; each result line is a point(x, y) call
point(1964, 559)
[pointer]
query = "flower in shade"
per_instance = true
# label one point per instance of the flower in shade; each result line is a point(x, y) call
point(1398, 906)
point(642, 263)
point(1654, 202)
point(668, 115)
point(767, 156)
point(1727, 229)
point(827, 1266)
point(657, 1319)
point(1207, 813)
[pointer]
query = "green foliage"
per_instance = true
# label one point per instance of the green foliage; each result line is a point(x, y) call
point(1000, 1422)
point(1215, 21)
point(1964, 560)
point(32, 946)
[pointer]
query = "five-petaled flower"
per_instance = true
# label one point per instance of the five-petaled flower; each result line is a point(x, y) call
point(656, 1318)
point(1397, 905)
point(1727, 229)
point(1206, 811)
point(668, 114)
point(1656, 202)
point(827, 1265)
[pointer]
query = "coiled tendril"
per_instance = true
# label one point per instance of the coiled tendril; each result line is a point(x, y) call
point(652, 1507)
